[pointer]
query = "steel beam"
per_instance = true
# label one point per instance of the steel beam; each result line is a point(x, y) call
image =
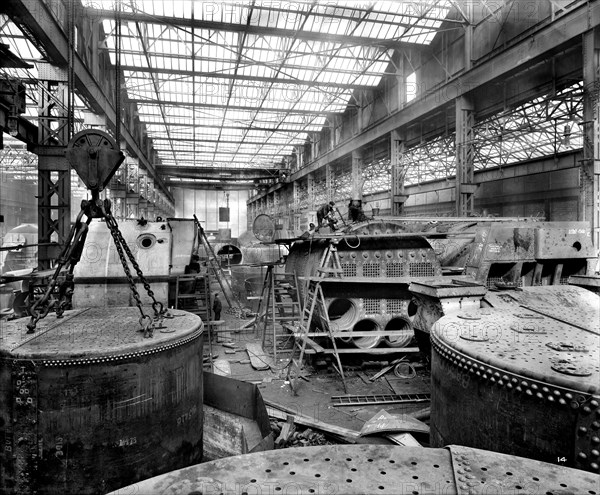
point(219, 173)
point(243, 77)
point(41, 23)
point(526, 51)
point(249, 29)
point(233, 186)
point(225, 105)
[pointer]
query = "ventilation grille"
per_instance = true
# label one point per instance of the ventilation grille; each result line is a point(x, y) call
point(372, 306)
point(394, 269)
point(372, 270)
point(349, 269)
point(421, 270)
point(395, 306)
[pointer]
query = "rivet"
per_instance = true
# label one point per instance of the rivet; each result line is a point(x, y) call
point(582, 430)
point(562, 402)
point(509, 386)
point(514, 380)
point(524, 383)
point(492, 379)
point(500, 383)
point(497, 375)
point(582, 456)
point(519, 389)
point(550, 398)
point(594, 403)
point(569, 395)
point(594, 466)
point(534, 386)
point(595, 425)
point(557, 393)
point(595, 453)
point(545, 390)
point(595, 439)
point(528, 392)
point(586, 409)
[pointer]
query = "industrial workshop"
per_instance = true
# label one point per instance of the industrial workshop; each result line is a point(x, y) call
point(300, 247)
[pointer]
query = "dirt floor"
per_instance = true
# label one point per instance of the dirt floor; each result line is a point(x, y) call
point(314, 393)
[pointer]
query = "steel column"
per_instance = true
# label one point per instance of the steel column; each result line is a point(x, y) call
point(357, 175)
point(589, 205)
point(399, 167)
point(465, 189)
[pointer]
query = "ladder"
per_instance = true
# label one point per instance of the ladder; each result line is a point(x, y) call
point(216, 268)
point(279, 305)
point(192, 294)
point(329, 266)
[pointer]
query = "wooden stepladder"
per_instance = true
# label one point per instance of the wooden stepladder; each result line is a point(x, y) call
point(314, 306)
point(279, 304)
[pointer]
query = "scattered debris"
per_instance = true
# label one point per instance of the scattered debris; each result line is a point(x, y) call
point(300, 437)
point(286, 431)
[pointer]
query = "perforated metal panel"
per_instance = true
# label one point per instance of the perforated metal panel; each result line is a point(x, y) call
point(371, 269)
point(349, 269)
point(421, 269)
point(372, 306)
point(395, 269)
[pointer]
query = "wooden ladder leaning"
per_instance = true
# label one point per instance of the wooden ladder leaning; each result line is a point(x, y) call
point(279, 304)
point(329, 266)
point(215, 265)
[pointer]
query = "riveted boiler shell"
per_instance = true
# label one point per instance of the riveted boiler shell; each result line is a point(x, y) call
point(523, 379)
point(99, 276)
point(87, 404)
point(360, 469)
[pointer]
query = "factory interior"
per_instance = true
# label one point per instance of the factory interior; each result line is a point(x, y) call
point(299, 247)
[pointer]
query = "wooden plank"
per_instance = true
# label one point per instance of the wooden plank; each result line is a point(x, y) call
point(312, 343)
point(258, 358)
point(279, 411)
point(345, 335)
point(377, 350)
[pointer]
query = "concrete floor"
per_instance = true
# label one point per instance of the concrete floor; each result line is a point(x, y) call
point(314, 394)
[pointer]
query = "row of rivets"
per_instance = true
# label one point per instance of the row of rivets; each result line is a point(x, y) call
point(551, 394)
point(121, 357)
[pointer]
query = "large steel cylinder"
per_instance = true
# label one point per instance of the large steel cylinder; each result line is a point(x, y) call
point(88, 405)
point(361, 469)
point(522, 378)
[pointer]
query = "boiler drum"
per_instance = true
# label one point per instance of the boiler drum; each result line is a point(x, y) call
point(88, 405)
point(521, 379)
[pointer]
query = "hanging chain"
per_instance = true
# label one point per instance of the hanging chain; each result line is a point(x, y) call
point(148, 324)
point(71, 255)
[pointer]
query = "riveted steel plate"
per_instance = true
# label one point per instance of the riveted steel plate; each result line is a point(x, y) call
point(367, 469)
point(567, 347)
point(94, 333)
point(570, 367)
point(469, 316)
point(519, 345)
point(484, 472)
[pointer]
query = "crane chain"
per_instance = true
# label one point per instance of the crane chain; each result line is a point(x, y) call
point(70, 256)
point(148, 324)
